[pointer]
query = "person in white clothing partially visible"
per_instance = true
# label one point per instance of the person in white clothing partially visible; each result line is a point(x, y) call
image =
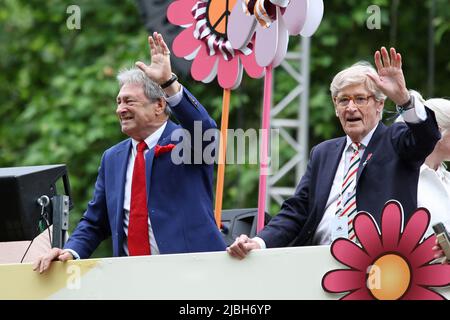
point(433, 190)
point(434, 180)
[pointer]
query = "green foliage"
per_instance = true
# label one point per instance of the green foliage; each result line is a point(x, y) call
point(58, 85)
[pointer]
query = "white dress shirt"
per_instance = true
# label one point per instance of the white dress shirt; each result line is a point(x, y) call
point(322, 235)
point(151, 141)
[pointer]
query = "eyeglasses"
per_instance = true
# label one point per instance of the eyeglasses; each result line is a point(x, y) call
point(359, 101)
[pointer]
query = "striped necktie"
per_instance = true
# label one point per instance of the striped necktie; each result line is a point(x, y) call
point(346, 206)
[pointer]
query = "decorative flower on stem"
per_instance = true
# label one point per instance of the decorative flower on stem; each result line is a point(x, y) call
point(391, 265)
point(272, 21)
point(205, 40)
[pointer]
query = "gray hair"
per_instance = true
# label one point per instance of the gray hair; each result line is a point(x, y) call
point(151, 90)
point(354, 75)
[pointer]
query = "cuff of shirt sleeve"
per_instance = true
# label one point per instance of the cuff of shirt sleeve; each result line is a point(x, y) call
point(417, 113)
point(76, 256)
point(176, 98)
point(261, 242)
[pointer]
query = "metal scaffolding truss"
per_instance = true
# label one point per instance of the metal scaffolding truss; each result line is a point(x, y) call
point(298, 124)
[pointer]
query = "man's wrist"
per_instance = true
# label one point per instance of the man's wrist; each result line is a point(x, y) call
point(406, 106)
point(74, 254)
point(260, 242)
point(405, 101)
point(173, 89)
point(169, 82)
point(174, 99)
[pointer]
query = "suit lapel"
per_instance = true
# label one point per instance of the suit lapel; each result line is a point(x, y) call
point(166, 135)
point(150, 156)
point(369, 151)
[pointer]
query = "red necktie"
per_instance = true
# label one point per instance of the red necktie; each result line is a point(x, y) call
point(138, 242)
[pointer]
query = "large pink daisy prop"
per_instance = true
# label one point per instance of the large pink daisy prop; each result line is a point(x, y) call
point(205, 41)
point(392, 265)
point(272, 21)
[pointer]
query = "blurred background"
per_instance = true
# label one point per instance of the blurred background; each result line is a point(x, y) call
point(58, 87)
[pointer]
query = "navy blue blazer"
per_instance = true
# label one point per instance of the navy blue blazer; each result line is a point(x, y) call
point(179, 196)
point(390, 172)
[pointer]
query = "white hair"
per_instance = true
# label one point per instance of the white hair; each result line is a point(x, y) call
point(136, 76)
point(354, 75)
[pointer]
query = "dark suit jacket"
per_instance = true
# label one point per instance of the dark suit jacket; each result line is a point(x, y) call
point(390, 172)
point(179, 196)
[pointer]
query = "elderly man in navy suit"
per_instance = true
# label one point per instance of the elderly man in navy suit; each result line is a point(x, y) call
point(360, 171)
point(147, 202)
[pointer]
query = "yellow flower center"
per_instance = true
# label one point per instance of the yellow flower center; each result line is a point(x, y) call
point(389, 277)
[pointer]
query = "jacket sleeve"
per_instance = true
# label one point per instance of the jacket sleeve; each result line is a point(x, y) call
point(415, 141)
point(93, 227)
point(201, 129)
point(189, 111)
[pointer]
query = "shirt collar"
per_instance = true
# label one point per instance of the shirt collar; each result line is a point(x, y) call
point(152, 139)
point(365, 141)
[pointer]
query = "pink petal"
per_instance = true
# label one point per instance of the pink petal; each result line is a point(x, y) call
point(336, 281)
point(414, 231)
point(179, 12)
point(230, 73)
point(367, 232)
point(423, 254)
point(266, 42)
point(435, 275)
point(250, 65)
point(185, 44)
point(295, 16)
point(361, 294)
point(240, 27)
point(350, 254)
point(203, 67)
point(391, 225)
point(420, 293)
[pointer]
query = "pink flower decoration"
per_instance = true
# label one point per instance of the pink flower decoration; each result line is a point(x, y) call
point(208, 46)
point(391, 265)
point(272, 21)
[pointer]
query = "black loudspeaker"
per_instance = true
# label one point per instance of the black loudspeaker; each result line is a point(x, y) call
point(20, 191)
point(240, 221)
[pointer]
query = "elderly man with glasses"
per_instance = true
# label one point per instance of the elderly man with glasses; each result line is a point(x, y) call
point(361, 171)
